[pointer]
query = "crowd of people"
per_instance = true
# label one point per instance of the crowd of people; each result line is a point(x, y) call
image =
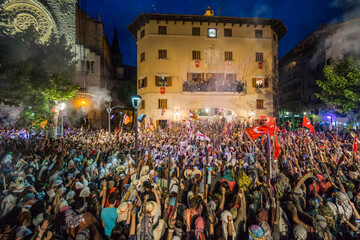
point(89, 185)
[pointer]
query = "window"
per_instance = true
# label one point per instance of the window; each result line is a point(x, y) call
point(259, 57)
point(228, 56)
point(90, 66)
point(260, 82)
point(142, 104)
point(142, 57)
point(227, 32)
point(162, 103)
point(162, 81)
point(196, 31)
point(162, 30)
point(142, 83)
point(142, 33)
point(274, 37)
point(258, 33)
point(82, 66)
point(259, 104)
point(212, 33)
point(162, 53)
point(195, 76)
point(196, 55)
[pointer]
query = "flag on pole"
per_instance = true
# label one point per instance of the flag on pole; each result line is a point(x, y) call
point(148, 127)
point(126, 119)
point(200, 136)
point(306, 123)
point(152, 125)
point(163, 111)
point(257, 131)
point(267, 120)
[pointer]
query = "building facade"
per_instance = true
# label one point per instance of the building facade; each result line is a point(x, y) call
point(303, 65)
point(209, 65)
point(94, 67)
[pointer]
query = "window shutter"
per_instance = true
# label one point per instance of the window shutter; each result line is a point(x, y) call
point(266, 82)
point(139, 82)
point(145, 82)
point(189, 77)
point(169, 81)
point(254, 82)
point(157, 124)
point(202, 76)
point(156, 80)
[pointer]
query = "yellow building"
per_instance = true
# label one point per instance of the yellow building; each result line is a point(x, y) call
point(208, 64)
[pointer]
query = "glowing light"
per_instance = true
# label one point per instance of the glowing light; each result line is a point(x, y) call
point(328, 117)
point(62, 106)
point(304, 113)
point(207, 110)
point(287, 113)
point(177, 113)
point(252, 113)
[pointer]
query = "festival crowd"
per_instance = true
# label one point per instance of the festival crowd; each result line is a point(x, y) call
point(87, 185)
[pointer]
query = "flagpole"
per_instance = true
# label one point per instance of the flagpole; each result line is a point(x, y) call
point(255, 146)
point(269, 158)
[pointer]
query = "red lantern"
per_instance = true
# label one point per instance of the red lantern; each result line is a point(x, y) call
point(260, 65)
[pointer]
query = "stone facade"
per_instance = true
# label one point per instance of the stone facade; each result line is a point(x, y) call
point(83, 33)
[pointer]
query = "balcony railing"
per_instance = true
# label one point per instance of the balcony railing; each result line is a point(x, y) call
point(208, 86)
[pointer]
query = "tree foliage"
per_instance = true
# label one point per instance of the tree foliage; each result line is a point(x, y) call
point(34, 74)
point(341, 88)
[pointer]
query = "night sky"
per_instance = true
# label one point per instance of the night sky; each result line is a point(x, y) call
point(301, 17)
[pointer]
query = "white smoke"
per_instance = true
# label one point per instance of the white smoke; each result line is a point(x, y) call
point(101, 95)
point(9, 115)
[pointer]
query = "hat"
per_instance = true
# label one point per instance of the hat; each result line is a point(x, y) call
point(188, 173)
point(300, 232)
point(70, 195)
point(122, 211)
point(151, 207)
point(27, 197)
point(144, 179)
point(83, 235)
point(193, 201)
point(79, 185)
point(122, 176)
point(120, 168)
point(144, 170)
point(85, 192)
point(63, 204)
point(61, 191)
point(57, 183)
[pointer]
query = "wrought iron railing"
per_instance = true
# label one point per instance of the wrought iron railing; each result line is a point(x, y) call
point(208, 86)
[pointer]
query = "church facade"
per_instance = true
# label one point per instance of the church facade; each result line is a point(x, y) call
point(94, 66)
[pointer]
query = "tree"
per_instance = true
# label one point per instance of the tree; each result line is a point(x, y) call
point(341, 88)
point(34, 74)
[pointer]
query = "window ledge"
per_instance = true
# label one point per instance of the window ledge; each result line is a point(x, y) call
point(163, 59)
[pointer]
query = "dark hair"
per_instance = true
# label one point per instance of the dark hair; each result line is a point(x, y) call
point(112, 198)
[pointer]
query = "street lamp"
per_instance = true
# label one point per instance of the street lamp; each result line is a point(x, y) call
point(109, 109)
point(62, 107)
point(136, 100)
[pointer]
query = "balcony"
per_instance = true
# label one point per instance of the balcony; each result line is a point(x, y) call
point(214, 86)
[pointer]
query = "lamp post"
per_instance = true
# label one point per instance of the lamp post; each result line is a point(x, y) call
point(136, 100)
point(62, 107)
point(109, 109)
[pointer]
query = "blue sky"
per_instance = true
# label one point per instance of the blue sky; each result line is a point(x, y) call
point(301, 17)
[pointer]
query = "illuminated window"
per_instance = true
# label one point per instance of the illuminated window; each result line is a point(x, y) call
point(162, 53)
point(259, 57)
point(196, 55)
point(162, 30)
point(162, 81)
point(260, 82)
point(142, 57)
point(227, 32)
point(228, 56)
point(196, 31)
point(259, 33)
point(259, 103)
point(212, 32)
point(162, 103)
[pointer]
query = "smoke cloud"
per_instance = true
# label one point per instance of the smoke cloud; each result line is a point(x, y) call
point(102, 95)
point(9, 115)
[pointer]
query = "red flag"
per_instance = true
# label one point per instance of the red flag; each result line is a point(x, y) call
point(283, 130)
point(257, 131)
point(228, 129)
point(267, 120)
point(355, 145)
point(277, 149)
point(306, 123)
point(253, 122)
